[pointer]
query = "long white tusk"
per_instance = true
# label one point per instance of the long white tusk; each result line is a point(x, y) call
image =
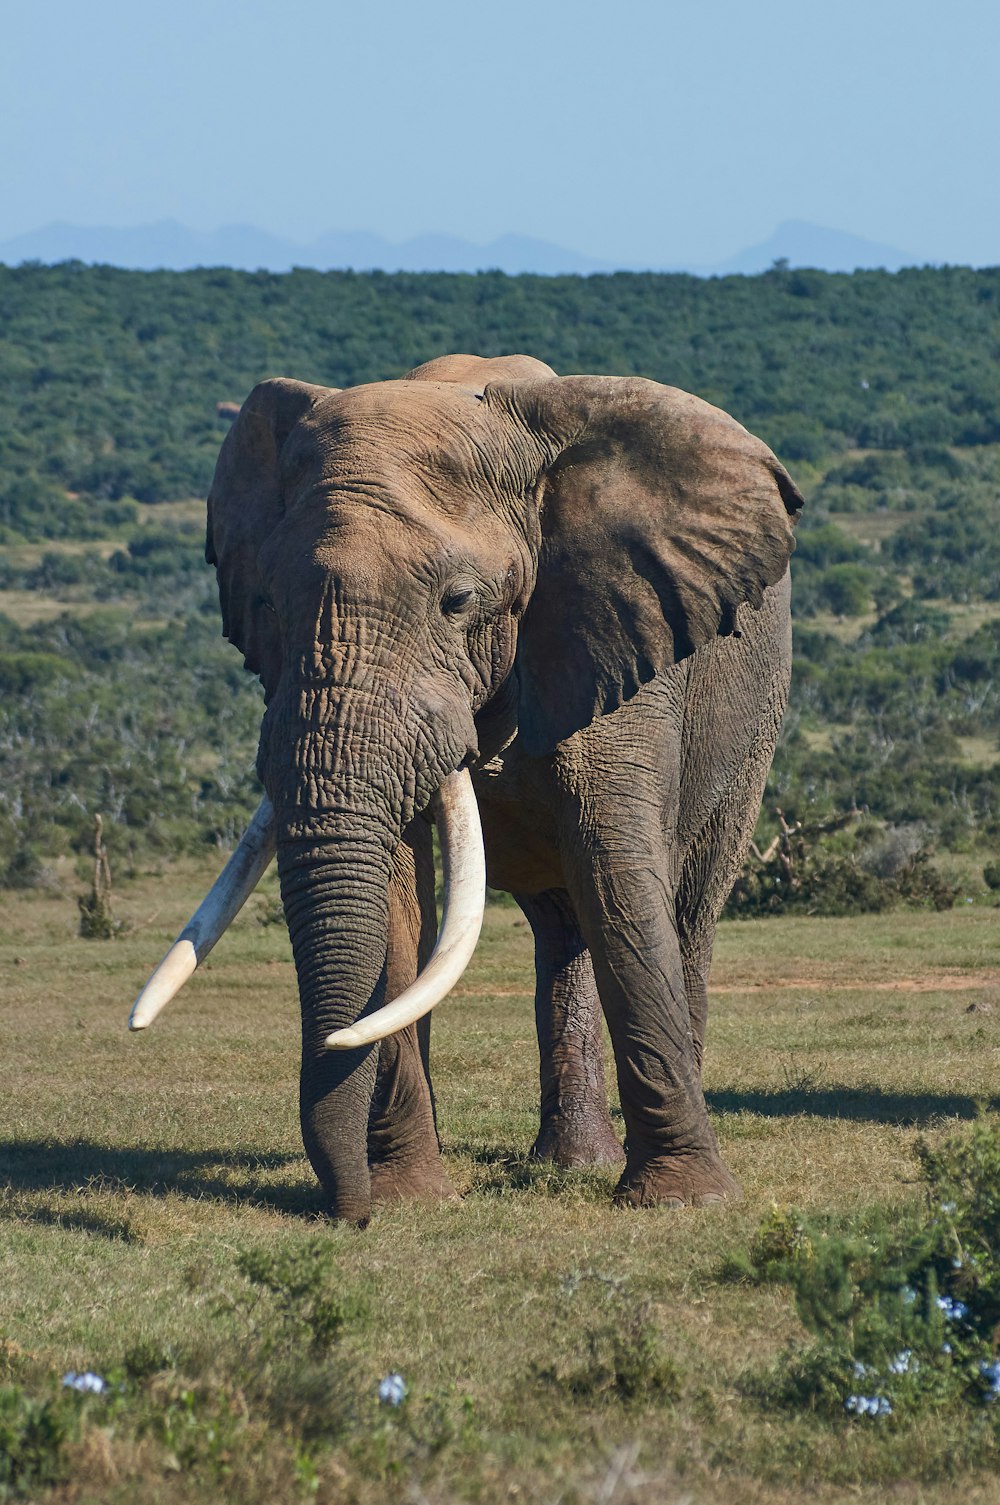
point(224, 900)
point(464, 861)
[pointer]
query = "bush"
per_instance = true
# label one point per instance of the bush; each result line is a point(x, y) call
point(620, 1359)
point(909, 621)
point(25, 870)
point(844, 865)
point(903, 1304)
point(21, 673)
point(205, 1413)
point(33, 1437)
point(845, 589)
point(303, 1282)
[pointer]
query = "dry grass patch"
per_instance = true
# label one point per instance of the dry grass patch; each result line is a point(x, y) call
point(26, 608)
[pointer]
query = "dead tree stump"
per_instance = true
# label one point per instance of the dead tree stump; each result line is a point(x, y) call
point(97, 921)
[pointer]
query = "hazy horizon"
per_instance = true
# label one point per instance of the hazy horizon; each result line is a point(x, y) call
point(659, 135)
point(167, 244)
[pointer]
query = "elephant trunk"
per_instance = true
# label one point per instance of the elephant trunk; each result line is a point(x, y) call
point(463, 857)
point(335, 896)
point(339, 809)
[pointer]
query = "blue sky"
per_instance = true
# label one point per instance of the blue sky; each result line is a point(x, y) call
point(644, 130)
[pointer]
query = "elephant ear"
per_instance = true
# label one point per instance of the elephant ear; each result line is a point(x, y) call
point(659, 516)
point(244, 505)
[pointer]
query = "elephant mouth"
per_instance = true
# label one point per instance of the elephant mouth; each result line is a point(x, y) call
point(456, 815)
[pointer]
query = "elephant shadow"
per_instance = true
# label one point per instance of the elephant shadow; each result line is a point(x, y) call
point(499, 1169)
point(251, 1178)
point(861, 1104)
point(243, 1178)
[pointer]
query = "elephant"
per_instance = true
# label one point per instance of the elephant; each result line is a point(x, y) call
point(552, 612)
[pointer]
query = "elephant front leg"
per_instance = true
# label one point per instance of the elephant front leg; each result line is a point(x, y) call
point(575, 1128)
point(403, 1153)
point(403, 1150)
point(626, 912)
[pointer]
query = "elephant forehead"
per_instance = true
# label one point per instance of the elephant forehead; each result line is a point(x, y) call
point(367, 551)
point(399, 437)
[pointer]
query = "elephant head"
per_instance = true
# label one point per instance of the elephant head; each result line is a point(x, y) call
point(417, 569)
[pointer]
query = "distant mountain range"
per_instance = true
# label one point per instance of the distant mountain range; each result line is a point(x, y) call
point(172, 246)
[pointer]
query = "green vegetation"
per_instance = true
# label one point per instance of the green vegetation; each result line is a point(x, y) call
point(151, 724)
point(110, 378)
point(880, 391)
point(903, 1303)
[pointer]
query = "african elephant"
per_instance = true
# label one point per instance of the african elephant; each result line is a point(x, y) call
point(574, 588)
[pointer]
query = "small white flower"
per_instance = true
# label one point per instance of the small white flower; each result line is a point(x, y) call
point(88, 1382)
point(868, 1405)
point(901, 1363)
point(392, 1390)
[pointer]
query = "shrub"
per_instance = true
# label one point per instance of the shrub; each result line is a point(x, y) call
point(25, 870)
point(621, 1358)
point(903, 1304)
point(33, 1437)
point(303, 1282)
point(97, 918)
point(844, 865)
point(846, 589)
point(908, 621)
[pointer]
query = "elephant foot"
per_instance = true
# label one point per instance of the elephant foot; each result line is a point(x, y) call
point(573, 1140)
point(425, 1180)
point(683, 1179)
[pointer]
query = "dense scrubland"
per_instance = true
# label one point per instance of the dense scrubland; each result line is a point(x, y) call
point(832, 1337)
point(881, 392)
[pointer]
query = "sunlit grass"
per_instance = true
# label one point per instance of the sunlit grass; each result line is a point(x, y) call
point(137, 1169)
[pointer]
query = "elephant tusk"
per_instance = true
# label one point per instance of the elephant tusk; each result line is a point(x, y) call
point(464, 861)
point(224, 900)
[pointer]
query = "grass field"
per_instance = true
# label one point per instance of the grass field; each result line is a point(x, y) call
point(142, 1178)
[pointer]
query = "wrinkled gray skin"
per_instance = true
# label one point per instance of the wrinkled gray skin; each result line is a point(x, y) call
point(577, 587)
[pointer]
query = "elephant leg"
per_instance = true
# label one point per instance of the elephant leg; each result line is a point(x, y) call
point(707, 878)
point(575, 1125)
point(697, 962)
point(710, 867)
point(626, 910)
point(403, 1150)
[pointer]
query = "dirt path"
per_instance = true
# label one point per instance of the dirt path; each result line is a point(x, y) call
point(932, 982)
point(939, 982)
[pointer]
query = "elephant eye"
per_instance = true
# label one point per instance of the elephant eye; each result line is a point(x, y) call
point(267, 605)
point(458, 600)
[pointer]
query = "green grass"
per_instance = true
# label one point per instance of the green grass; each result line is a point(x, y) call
point(185, 514)
point(872, 528)
point(137, 1175)
point(981, 752)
